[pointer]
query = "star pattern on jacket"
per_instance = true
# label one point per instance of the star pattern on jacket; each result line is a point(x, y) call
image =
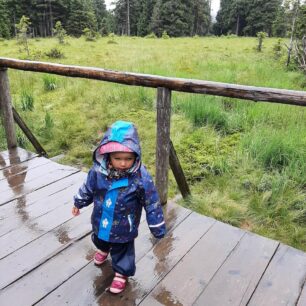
point(105, 223)
point(108, 203)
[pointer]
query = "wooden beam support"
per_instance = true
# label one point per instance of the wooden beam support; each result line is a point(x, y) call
point(38, 147)
point(253, 93)
point(178, 172)
point(163, 142)
point(6, 109)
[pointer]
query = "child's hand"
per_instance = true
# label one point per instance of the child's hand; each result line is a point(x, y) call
point(75, 211)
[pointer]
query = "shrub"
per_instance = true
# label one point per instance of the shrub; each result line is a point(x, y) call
point(260, 37)
point(90, 35)
point(151, 35)
point(55, 53)
point(22, 28)
point(111, 40)
point(277, 49)
point(60, 32)
point(165, 35)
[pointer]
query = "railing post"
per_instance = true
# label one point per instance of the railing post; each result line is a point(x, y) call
point(6, 108)
point(163, 141)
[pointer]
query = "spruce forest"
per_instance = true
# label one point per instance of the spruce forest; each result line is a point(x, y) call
point(245, 162)
point(142, 17)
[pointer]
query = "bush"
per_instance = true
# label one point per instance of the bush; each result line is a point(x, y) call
point(277, 49)
point(55, 53)
point(260, 36)
point(111, 40)
point(151, 35)
point(165, 35)
point(60, 32)
point(90, 35)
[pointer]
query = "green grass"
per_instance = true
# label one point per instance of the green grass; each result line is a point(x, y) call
point(245, 161)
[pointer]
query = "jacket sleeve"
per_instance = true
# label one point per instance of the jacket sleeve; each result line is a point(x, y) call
point(84, 197)
point(152, 206)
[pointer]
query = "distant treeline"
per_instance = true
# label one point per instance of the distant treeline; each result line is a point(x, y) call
point(143, 17)
point(248, 17)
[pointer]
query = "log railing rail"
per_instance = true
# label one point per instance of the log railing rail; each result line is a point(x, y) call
point(164, 85)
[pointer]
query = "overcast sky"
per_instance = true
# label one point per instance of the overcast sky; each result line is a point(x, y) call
point(215, 4)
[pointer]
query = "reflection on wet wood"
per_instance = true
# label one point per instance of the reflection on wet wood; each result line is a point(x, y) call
point(48, 276)
point(85, 287)
point(240, 274)
point(24, 259)
point(275, 288)
point(17, 186)
point(18, 169)
point(46, 254)
point(160, 260)
point(21, 214)
point(197, 268)
point(14, 156)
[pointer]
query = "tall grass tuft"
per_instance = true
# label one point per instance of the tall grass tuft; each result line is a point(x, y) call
point(277, 150)
point(50, 82)
point(212, 111)
point(27, 101)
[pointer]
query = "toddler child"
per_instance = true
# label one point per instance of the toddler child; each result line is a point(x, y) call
point(119, 186)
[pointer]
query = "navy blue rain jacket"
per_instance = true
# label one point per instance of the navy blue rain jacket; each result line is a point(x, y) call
point(118, 203)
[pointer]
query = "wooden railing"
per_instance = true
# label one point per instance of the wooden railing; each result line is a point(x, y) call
point(164, 85)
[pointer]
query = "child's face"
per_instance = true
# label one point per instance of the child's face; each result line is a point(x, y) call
point(122, 160)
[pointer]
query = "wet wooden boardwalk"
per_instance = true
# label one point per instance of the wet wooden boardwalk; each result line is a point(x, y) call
point(46, 254)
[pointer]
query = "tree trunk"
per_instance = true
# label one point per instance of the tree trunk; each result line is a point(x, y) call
point(292, 32)
point(237, 25)
point(128, 17)
point(51, 18)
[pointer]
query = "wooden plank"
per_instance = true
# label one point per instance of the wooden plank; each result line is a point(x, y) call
point(84, 287)
point(18, 169)
point(163, 109)
point(179, 84)
point(24, 176)
point(14, 156)
point(197, 268)
point(302, 298)
point(29, 289)
point(282, 282)
point(32, 183)
point(40, 250)
point(160, 261)
point(6, 110)
point(33, 229)
point(236, 280)
point(37, 196)
point(21, 214)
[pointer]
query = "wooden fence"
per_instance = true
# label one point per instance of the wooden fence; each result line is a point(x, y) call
point(164, 85)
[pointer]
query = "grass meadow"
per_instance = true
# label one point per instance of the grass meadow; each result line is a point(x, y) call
point(245, 161)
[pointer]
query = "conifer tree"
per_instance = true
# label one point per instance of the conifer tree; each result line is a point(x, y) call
point(202, 19)
point(174, 17)
point(81, 16)
point(100, 13)
point(4, 20)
